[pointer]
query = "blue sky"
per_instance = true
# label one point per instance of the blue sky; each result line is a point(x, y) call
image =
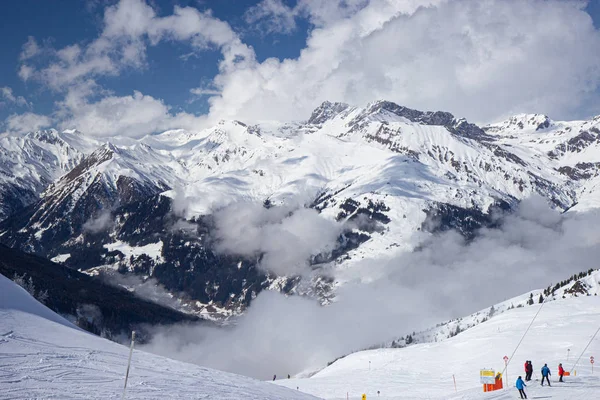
point(480, 60)
point(167, 76)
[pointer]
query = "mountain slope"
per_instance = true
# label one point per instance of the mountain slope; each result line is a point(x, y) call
point(90, 303)
point(31, 162)
point(570, 147)
point(426, 371)
point(44, 356)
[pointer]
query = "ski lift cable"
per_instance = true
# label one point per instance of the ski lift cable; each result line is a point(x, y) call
point(524, 334)
point(581, 355)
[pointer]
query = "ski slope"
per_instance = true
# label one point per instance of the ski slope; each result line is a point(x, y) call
point(425, 371)
point(43, 356)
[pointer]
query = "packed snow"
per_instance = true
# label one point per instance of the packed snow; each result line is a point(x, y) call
point(43, 356)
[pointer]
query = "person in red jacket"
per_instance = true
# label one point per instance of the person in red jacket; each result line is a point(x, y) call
point(528, 370)
point(561, 372)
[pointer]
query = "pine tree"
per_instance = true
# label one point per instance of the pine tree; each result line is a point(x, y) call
point(530, 301)
point(541, 300)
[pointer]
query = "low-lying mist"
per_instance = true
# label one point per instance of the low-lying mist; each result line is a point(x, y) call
point(447, 277)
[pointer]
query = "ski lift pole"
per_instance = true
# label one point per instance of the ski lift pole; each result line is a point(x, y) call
point(128, 363)
point(506, 370)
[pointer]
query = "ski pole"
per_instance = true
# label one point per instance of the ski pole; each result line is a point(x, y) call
point(128, 363)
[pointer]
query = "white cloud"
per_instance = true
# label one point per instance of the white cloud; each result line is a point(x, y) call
point(100, 223)
point(200, 91)
point(25, 72)
point(446, 278)
point(272, 16)
point(482, 60)
point(30, 49)
point(134, 115)
point(6, 93)
point(128, 27)
point(27, 122)
point(286, 237)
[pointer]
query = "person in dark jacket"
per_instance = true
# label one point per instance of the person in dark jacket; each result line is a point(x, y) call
point(521, 386)
point(528, 370)
point(561, 372)
point(545, 374)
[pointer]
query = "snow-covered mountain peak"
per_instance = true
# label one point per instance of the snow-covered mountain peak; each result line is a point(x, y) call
point(326, 111)
point(50, 136)
point(521, 123)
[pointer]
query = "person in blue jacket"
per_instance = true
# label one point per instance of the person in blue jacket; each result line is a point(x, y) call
point(521, 386)
point(545, 374)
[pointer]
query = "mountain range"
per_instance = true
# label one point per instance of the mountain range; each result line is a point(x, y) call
point(157, 207)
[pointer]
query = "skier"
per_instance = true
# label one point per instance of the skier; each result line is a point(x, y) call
point(545, 374)
point(521, 385)
point(274, 377)
point(528, 370)
point(561, 372)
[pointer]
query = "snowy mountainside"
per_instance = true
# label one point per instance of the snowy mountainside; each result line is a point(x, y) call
point(90, 303)
point(403, 170)
point(103, 180)
point(43, 356)
point(428, 370)
point(31, 162)
point(569, 147)
point(520, 123)
point(579, 285)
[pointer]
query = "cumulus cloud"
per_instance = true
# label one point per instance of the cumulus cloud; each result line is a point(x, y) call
point(285, 237)
point(482, 60)
point(129, 27)
point(30, 49)
point(7, 94)
point(25, 72)
point(385, 298)
point(134, 115)
point(27, 122)
point(200, 91)
point(272, 16)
